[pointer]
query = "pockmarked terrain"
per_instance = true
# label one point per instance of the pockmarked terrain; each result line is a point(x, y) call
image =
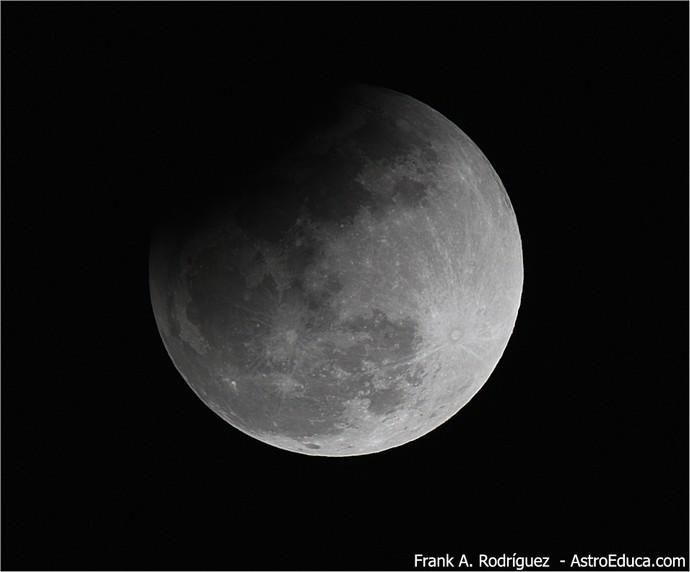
point(358, 295)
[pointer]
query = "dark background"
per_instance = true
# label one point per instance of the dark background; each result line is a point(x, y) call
point(578, 442)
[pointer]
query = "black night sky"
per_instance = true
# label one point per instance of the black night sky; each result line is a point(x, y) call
point(578, 443)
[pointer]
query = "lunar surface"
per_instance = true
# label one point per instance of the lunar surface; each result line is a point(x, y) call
point(356, 292)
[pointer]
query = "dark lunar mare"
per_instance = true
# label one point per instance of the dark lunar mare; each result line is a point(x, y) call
point(353, 289)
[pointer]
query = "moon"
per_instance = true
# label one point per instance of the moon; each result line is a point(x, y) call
point(354, 292)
